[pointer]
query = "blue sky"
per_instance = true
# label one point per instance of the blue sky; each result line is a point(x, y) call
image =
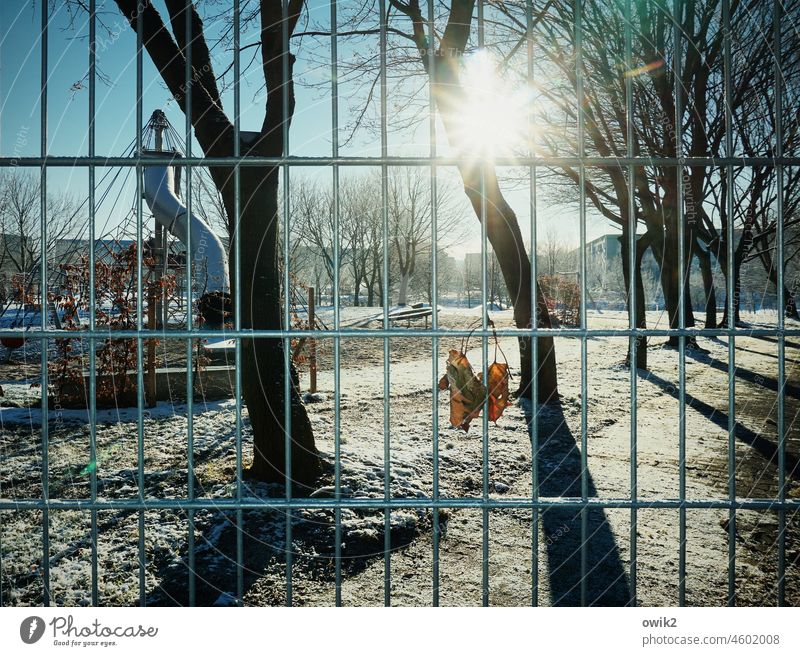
point(20, 49)
point(67, 125)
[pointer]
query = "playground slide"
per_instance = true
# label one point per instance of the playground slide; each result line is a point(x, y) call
point(209, 259)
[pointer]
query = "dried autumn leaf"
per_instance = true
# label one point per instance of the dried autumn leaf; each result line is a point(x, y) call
point(499, 396)
point(467, 393)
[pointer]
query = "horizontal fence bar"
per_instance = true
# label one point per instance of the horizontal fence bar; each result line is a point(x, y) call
point(254, 503)
point(405, 332)
point(66, 161)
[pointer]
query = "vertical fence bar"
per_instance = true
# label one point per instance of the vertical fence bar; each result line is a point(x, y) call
point(188, 9)
point(43, 306)
point(387, 465)
point(732, 303)
point(632, 309)
point(435, 296)
point(582, 218)
point(139, 286)
point(287, 292)
point(92, 300)
point(534, 428)
point(337, 379)
point(777, 9)
point(237, 294)
point(484, 347)
point(683, 282)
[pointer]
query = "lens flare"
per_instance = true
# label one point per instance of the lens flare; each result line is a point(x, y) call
point(494, 118)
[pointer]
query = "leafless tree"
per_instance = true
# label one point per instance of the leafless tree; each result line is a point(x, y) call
point(263, 359)
point(20, 229)
point(448, 276)
point(410, 207)
point(442, 63)
point(661, 80)
point(472, 277)
point(554, 256)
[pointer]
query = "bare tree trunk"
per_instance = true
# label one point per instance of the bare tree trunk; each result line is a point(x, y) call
point(789, 299)
point(704, 257)
point(503, 232)
point(402, 293)
point(263, 359)
point(737, 292)
point(665, 249)
point(640, 320)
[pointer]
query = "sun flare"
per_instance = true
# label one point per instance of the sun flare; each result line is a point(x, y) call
point(494, 120)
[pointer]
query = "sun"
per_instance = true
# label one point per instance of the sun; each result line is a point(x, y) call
point(494, 121)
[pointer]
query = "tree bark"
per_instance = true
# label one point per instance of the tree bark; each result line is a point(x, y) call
point(263, 359)
point(704, 257)
point(640, 320)
point(402, 293)
point(665, 249)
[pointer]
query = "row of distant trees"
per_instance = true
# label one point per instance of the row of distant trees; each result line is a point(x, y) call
point(362, 245)
point(356, 243)
point(21, 234)
point(313, 236)
point(346, 230)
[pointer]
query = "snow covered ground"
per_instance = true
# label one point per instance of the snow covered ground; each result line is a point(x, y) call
point(510, 469)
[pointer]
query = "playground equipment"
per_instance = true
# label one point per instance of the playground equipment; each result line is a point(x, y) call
point(209, 259)
point(207, 291)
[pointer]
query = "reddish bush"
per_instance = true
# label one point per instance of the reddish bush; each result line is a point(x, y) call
point(115, 309)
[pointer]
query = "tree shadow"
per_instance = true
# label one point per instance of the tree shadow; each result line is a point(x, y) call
point(559, 471)
point(215, 560)
point(764, 446)
point(264, 561)
point(774, 356)
point(744, 374)
point(774, 340)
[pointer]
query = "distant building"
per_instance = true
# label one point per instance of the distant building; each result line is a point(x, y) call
point(603, 252)
point(604, 262)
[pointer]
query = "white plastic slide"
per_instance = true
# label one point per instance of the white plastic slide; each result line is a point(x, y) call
point(209, 259)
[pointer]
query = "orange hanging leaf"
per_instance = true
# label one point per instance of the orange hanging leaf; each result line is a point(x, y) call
point(467, 392)
point(499, 396)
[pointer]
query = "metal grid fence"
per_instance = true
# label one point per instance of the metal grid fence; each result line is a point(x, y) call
point(290, 503)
